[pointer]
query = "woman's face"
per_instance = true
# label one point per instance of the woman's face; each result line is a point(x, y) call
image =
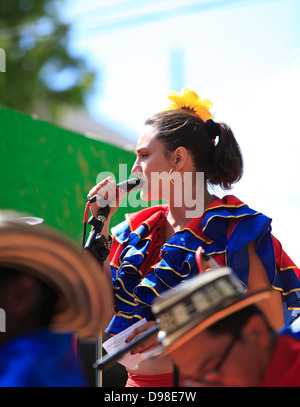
point(152, 165)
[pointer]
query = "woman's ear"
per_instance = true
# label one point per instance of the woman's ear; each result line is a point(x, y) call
point(180, 156)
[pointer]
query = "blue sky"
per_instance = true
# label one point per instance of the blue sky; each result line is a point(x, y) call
point(242, 55)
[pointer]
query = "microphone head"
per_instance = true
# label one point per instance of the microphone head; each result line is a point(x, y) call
point(126, 186)
point(130, 184)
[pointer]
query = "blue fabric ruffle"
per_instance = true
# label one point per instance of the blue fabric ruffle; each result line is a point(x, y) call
point(225, 230)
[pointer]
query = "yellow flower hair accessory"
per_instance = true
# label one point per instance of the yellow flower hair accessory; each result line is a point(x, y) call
point(188, 99)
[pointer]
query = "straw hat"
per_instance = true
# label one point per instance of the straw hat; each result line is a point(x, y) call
point(198, 303)
point(85, 293)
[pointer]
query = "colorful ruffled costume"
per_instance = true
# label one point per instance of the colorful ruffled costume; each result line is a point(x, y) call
point(144, 266)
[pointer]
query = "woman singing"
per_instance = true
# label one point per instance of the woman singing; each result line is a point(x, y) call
point(182, 151)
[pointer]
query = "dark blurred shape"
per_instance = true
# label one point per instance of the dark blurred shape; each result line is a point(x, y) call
point(50, 291)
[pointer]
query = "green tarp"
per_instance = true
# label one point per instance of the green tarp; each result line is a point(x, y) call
point(47, 171)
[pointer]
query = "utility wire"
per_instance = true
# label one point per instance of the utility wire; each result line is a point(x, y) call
point(111, 23)
point(130, 20)
point(120, 6)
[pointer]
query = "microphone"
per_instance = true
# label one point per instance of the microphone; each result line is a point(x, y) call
point(98, 222)
point(126, 186)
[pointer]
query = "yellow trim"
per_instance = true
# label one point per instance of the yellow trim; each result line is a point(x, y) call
point(137, 234)
point(114, 265)
point(190, 250)
point(194, 234)
point(287, 292)
point(142, 302)
point(179, 247)
point(120, 314)
point(210, 208)
point(146, 238)
point(126, 301)
point(141, 239)
point(129, 265)
point(288, 268)
point(129, 222)
point(147, 224)
point(215, 253)
point(227, 217)
point(244, 284)
point(175, 272)
point(122, 284)
point(170, 287)
point(139, 253)
point(147, 286)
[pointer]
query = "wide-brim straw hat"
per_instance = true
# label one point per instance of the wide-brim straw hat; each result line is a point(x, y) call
point(85, 297)
point(198, 303)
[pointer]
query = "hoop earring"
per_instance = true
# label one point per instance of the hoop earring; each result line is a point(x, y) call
point(170, 175)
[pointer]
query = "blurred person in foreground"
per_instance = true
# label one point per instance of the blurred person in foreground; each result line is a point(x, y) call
point(50, 291)
point(217, 336)
point(181, 153)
